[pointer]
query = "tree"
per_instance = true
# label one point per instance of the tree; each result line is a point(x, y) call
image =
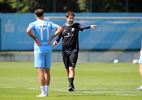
point(47, 5)
point(109, 6)
point(10, 6)
point(6, 7)
point(67, 5)
point(135, 6)
point(102, 5)
point(84, 5)
point(24, 6)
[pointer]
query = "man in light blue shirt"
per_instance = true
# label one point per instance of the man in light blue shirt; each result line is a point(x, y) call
point(40, 31)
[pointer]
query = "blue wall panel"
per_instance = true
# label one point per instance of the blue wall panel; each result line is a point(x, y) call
point(13, 32)
point(110, 34)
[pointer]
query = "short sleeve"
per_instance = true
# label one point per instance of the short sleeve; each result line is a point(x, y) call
point(54, 26)
point(31, 25)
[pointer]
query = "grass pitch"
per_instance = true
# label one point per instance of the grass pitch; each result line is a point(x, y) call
point(93, 81)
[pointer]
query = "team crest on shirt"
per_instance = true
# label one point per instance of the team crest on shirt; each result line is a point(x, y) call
point(68, 35)
point(72, 29)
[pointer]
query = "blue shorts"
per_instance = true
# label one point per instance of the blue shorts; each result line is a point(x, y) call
point(42, 60)
point(140, 59)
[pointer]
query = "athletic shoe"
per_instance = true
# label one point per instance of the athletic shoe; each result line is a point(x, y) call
point(140, 88)
point(70, 89)
point(42, 95)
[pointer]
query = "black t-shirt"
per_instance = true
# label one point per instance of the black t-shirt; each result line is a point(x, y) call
point(70, 37)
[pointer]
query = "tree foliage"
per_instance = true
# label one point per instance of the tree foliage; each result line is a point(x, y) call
point(6, 7)
point(109, 6)
point(24, 6)
point(84, 5)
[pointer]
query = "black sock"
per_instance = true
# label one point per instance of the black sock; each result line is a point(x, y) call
point(71, 82)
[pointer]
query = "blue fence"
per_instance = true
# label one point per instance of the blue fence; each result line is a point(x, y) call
point(110, 34)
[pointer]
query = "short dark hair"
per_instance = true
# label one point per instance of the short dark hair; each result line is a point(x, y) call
point(69, 13)
point(39, 12)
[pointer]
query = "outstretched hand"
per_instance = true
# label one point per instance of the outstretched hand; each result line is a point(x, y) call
point(93, 26)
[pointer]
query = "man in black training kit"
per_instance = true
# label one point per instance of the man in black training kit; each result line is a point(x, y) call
point(70, 45)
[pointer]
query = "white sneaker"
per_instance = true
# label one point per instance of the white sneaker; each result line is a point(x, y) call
point(140, 88)
point(42, 95)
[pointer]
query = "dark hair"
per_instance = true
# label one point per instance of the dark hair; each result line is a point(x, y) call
point(69, 13)
point(39, 12)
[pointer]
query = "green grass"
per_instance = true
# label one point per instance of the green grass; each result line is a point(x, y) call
point(93, 81)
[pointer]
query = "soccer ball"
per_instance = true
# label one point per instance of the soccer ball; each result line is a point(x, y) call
point(135, 61)
point(115, 61)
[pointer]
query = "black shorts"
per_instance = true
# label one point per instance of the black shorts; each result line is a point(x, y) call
point(70, 59)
